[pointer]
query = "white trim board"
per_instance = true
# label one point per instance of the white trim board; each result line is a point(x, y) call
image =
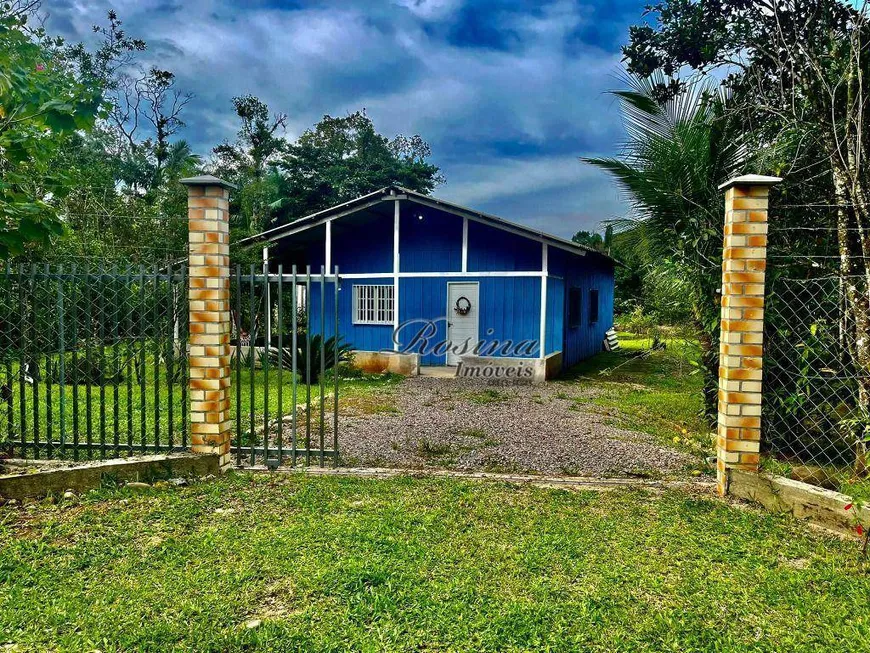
point(327, 255)
point(397, 219)
point(465, 244)
point(542, 340)
point(410, 275)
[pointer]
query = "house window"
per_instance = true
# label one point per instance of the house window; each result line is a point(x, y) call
point(593, 306)
point(373, 304)
point(574, 304)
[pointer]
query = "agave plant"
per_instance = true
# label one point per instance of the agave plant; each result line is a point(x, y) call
point(334, 352)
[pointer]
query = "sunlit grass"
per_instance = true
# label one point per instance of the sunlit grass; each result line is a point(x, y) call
point(278, 563)
point(658, 391)
point(143, 405)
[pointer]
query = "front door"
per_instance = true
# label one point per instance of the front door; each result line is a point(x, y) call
point(463, 311)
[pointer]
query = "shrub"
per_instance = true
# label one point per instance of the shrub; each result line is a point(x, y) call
point(334, 353)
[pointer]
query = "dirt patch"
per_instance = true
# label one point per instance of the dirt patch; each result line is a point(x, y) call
point(467, 425)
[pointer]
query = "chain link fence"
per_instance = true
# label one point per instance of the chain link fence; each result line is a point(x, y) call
point(815, 414)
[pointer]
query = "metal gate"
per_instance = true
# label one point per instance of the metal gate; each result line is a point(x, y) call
point(285, 348)
point(93, 361)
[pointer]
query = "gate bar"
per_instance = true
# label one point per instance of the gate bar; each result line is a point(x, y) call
point(293, 339)
point(280, 365)
point(308, 365)
point(322, 355)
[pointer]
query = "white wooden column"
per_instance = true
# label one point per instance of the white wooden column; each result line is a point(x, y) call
point(327, 256)
point(396, 215)
point(464, 245)
point(544, 272)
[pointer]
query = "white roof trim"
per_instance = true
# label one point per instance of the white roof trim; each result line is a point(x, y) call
point(389, 194)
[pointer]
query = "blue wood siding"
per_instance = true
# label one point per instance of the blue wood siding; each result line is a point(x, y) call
point(423, 299)
point(315, 252)
point(496, 250)
point(555, 315)
point(365, 337)
point(363, 248)
point(510, 309)
point(590, 272)
point(433, 244)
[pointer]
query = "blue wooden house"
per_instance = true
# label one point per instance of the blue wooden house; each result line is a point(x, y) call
point(433, 283)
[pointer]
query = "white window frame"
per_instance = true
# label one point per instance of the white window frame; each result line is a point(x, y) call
point(374, 304)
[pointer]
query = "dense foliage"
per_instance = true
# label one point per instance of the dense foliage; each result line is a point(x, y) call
point(42, 103)
point(793, 73)
point(92, 150)
point(677, 153)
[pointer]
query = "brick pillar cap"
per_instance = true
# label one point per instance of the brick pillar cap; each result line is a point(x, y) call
point(207, 180)
point(750, 180)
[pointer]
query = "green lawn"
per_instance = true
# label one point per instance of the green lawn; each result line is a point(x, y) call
point(657, 392)
point(148, 411)
point(329, 564)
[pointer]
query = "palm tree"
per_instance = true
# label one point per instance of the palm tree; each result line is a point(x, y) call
point(677, 153)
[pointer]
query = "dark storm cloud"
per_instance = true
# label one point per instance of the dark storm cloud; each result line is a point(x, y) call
point(509, 93)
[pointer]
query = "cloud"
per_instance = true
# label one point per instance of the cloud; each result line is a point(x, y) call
point(509, 93)
point(479, 183)
point(557, 194)
point(430, 9)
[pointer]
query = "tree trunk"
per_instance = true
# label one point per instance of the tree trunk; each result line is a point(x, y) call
point(710, 364)
point(854, 246)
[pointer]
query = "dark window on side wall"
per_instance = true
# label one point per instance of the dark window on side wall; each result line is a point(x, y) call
point(574, 304)
point(593, 306)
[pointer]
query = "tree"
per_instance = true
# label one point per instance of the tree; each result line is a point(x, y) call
point(340, 159)
point(249, 162)
point(798, 69)
point(591, 239)
point(41, 103)
point(143, 105)
point(677, 153)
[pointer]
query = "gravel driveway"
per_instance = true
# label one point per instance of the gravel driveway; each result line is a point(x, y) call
point(465, 424)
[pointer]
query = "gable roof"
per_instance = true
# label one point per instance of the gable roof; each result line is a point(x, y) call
point(391, 193)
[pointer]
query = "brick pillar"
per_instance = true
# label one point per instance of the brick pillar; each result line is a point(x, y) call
point(209, 301)
point(744, 259)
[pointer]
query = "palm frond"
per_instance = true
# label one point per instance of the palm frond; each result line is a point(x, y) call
point(677, 152)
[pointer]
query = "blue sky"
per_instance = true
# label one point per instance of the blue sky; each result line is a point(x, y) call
point(509, 94)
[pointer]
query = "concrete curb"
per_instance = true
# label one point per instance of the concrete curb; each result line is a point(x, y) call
point(91, 475)
point(584, 482)
point(819, 506)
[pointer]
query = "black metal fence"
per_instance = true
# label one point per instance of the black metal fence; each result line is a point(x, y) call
point(285, 353)
point(93, 361)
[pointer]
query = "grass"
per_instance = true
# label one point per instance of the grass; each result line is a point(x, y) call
point(658, 392)
point(488, 396)
point(340, 564)
point(655, 392)
point(354, 391)
point(833, 477)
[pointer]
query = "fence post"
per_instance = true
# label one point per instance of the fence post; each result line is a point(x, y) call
point(744, 259)
point(209, 305)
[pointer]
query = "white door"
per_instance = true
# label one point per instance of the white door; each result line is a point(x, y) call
point(463, 311)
